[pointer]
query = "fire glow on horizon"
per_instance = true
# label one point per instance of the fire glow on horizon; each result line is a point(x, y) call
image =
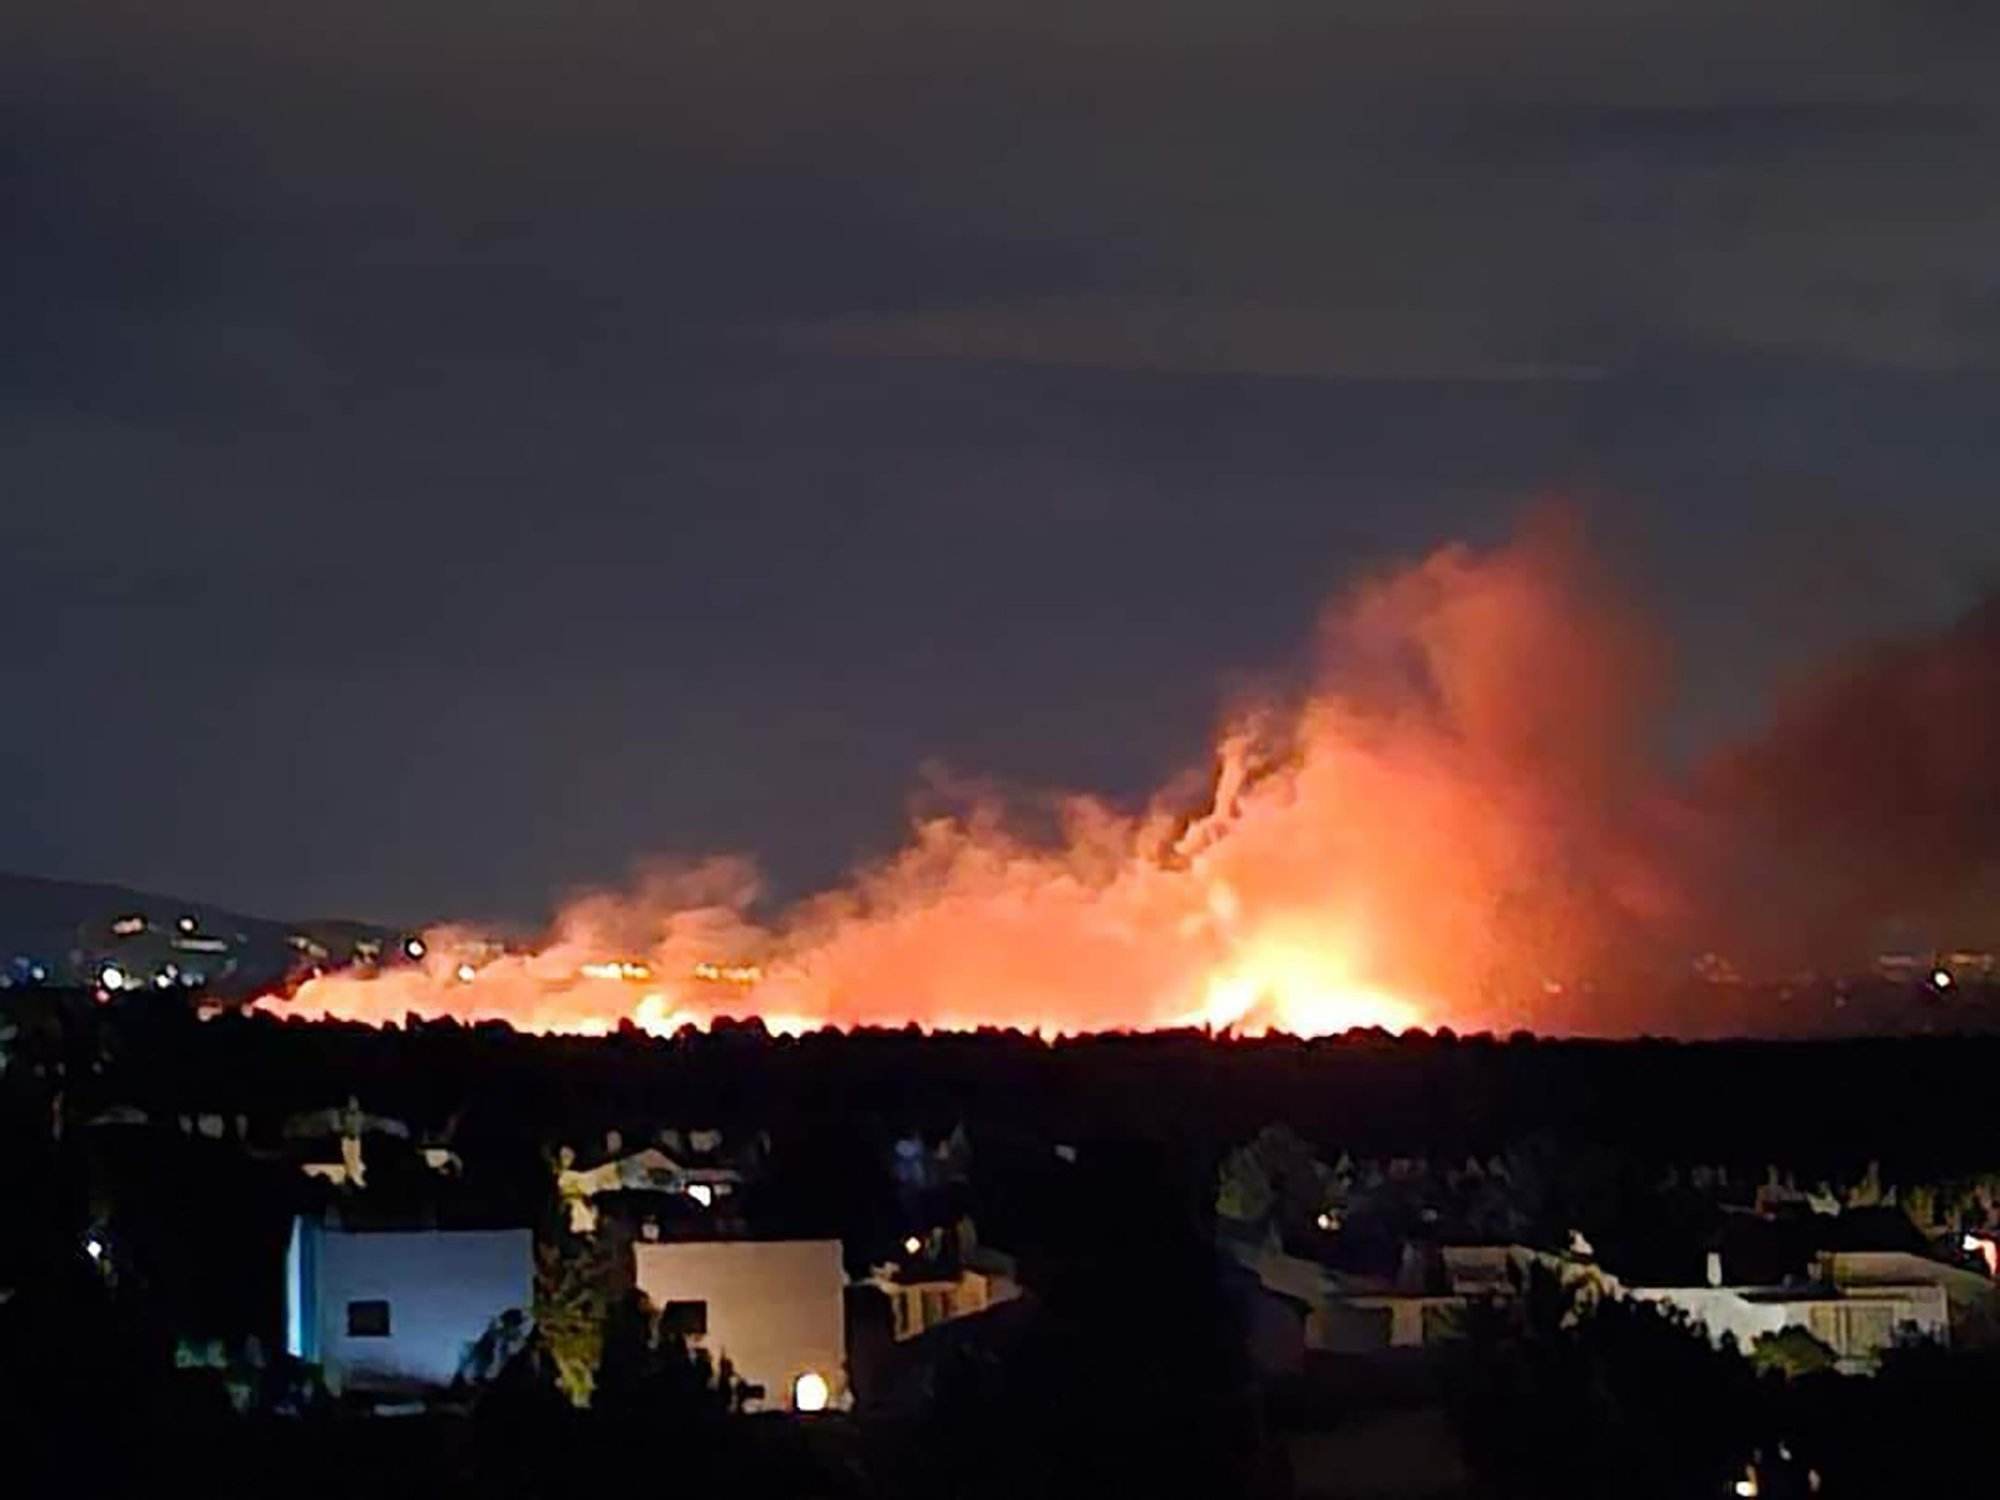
point(1433, 834)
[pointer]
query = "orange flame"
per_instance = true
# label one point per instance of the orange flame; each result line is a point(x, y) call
point(1430, 836)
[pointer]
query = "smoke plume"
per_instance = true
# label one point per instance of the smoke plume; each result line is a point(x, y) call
point(1456, 823)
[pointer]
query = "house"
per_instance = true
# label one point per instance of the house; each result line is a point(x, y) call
point(944, 1274)
point(775, 1309)
point(328, 1142)
point(688, 1169)
point(1420, 1306)
point(1858, 1304)
point(398, 1310)
point(1857, 1323)
point(1972, 1300)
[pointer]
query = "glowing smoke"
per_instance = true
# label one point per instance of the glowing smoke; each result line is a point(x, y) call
point(1454, 825)
point(1431, 835)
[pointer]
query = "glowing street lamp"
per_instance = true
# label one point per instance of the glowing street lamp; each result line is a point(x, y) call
point(111, 977)
point(810, 1392)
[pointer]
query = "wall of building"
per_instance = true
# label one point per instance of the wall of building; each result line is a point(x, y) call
point(443, 1289)
point(774, 1308)
point(919, 1306)
point(1857, 1325)
point(1972, 1299)
point(1722, 1309)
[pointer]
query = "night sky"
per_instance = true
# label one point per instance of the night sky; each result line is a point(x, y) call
point(450, 451)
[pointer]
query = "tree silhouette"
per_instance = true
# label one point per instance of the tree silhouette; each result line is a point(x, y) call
point(1558, 1394)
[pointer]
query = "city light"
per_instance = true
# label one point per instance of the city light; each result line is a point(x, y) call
point(466, 973)
point(912, 1245)
point(729, 973)
point(620, 970)
point(94, 1248)
point(809, 1392)
point(1941, 979)
point(702, 1193)
point(413, 948)
point(111, 977)
point(187, 924)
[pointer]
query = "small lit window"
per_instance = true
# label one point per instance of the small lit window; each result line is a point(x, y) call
point(368, 1320)
point(688, 1319)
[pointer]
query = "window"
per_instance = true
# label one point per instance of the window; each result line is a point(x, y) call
point(688, 1319)
point(368, 1320)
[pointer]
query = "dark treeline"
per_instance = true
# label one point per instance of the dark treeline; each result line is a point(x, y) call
point(1918, 1105)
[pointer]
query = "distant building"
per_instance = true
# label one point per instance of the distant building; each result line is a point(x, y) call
point(399, 1310)
point(1858, 1304)
point(920, 1298)
point(944, 1274)
point(686, 1166)
point(1971, 1298)
point(1859, 1323)
point(774, 1309)
point(1421, 1305)
point(328, 1143)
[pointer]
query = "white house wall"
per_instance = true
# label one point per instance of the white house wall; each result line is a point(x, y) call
point(775, 1308)
point(444, 1288)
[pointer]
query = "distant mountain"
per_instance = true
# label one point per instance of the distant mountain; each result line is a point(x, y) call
point(70, 931)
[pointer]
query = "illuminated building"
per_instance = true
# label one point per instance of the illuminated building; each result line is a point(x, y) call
point(396, 1310)
point(774, 1309)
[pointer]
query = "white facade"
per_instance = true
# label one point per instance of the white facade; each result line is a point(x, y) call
point(398, 1309)
point(918, 1306)
point(774, 1309)
point(1857, 1323)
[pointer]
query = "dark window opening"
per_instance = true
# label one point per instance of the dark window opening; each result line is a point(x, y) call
point(688, 1319)
point(368, 1320)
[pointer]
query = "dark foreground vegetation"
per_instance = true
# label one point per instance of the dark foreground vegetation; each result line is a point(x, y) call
point(1127, 1370)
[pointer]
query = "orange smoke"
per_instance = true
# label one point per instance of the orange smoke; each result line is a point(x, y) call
point(1430, 835)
